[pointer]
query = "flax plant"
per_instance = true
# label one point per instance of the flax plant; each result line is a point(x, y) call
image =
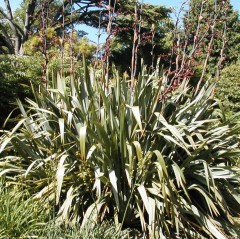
point(165, 167)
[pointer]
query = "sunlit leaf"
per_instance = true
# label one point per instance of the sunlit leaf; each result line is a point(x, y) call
point(60, 176)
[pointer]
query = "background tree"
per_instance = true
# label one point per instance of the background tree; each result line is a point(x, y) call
point(221, 46)
point(16, 28)
point(212, 27)
point(153, 25)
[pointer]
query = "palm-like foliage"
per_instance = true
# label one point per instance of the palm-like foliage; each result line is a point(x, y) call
point(96, 151)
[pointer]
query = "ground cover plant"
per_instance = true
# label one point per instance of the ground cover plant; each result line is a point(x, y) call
point(19, 213)
point(22, 216)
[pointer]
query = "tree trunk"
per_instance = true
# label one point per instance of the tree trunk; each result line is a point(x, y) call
point(18, 36)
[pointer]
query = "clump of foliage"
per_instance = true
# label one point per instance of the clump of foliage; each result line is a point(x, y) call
point(147, 152)
point(92, 231)
point(72, 43)
point(22, 216)
point(96, 152)
point(228, 88)
point(19, 213)
point(16, 73)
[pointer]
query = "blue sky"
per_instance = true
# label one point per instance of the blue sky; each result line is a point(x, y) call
point(168, 3)
point(92, 31)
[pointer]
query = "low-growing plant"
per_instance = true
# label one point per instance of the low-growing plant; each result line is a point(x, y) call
point(93, 230)
point(162, 164)
point(22, 216)
point(19, 213)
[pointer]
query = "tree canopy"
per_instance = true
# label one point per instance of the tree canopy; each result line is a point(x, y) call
point(213, 26)
point(36, 16)
point(15, 28)
point(147, 26)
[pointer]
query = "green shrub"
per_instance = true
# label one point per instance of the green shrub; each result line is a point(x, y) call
point(162, 165)
point(228, 88)
point(16, 72)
